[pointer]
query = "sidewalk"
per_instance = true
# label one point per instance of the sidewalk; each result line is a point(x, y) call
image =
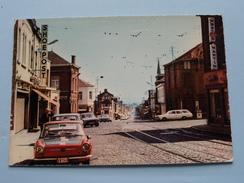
point(21, 146)
point(215, 129)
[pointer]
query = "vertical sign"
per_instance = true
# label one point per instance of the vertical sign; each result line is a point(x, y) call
point(211, 28)
point(44, 51)
point(213, 57)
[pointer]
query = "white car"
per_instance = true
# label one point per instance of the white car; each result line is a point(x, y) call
point(67, 117)
point(175, 114)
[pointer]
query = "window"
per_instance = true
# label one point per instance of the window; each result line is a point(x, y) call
point(24, 49)
point(55, 82)
point(90, 95)
point(19, 44)
point(187, 65)
point(80, 96)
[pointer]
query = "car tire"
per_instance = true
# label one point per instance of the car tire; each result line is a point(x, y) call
point(184, 118)
point(97, 124)
point(87, 162)
point(164, 119)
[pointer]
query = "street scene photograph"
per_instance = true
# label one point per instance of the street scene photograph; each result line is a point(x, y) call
point(120, 90)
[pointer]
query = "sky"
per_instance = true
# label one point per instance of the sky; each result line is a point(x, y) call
point(121, 53)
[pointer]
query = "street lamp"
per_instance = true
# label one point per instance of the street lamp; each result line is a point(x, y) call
point(52, 42)
point(97, 84)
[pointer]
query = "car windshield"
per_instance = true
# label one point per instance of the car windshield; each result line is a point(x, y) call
point(90, 115)
point(66, 118)
point(62, 129)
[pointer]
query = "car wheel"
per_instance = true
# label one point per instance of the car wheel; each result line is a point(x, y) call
point(87, 162)
point(97, 124)
point(164, 119)
point(184, 118)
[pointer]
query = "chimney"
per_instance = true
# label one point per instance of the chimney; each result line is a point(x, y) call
point(73, 58)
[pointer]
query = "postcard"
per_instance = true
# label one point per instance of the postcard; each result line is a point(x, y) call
point(122, 90)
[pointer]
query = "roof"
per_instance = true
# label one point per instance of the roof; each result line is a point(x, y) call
point(192, 54)
point(105, 92)
point(56, 59)
point(82, 83)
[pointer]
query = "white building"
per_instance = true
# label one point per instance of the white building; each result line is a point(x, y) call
point(86, 97)
point(31, 93)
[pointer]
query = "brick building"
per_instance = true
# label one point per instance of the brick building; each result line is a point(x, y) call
point(215, 77)
point(105, 104)
point(184, 87)
point(64, 77)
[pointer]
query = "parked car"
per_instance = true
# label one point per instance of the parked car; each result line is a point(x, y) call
point(89, 119)
point(175, 114)
point(67, 117)
point(105, 118)
point(63, 142)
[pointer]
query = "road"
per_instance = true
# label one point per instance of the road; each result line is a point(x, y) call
point(145, 142)
point(137, 142)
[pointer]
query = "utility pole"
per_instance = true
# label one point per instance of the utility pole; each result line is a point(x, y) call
point(172, 52)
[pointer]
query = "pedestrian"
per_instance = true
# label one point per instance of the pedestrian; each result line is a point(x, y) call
point(45, 117)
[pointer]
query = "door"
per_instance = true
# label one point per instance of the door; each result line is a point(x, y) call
point(20, 114)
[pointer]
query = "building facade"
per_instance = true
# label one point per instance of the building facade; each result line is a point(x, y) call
point(31, 91)
point(215, 77)
point(105, 104)
point(86, 97)
point(65, 77)
point(184, 87)
point(160, 104)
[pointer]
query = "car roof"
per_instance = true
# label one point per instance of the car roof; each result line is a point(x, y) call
point(55, 122)
point(179, 110)
point(67, 114)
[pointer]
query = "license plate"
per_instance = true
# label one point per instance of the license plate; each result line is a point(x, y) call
point(62, 160)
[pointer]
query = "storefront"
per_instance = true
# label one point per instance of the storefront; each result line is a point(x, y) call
point(216, 86)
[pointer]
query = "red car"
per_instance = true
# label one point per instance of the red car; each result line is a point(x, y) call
point(63, 142)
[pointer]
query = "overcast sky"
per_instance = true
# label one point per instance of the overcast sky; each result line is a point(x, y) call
point(124, 50)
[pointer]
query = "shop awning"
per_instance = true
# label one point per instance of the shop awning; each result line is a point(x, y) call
point(46, 97)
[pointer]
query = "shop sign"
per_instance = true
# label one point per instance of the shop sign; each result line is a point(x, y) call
point(215, 77)
point(213, 57)
point(44, 51)
point(211, 27)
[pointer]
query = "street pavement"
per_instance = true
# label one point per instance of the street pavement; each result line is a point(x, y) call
point(22, 143)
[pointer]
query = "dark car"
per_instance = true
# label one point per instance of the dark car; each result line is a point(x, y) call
point(67, 117)
point(89, 119)
point(105, 118)
point(63, 142)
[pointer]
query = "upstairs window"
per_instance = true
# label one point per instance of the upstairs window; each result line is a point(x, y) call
point(187, 65)
point(80, 96)
point(55, 82)
point(90, 95)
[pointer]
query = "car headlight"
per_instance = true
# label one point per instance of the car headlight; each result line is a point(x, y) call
point(39, 149)
point(86, 147)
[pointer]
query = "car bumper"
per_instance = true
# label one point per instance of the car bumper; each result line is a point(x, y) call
point(73, 158)
point(90, 122)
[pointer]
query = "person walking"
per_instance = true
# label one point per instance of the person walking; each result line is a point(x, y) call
point(45, 117)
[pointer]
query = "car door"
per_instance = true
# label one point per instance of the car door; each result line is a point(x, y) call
point(172, 115)
point(178, 114)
